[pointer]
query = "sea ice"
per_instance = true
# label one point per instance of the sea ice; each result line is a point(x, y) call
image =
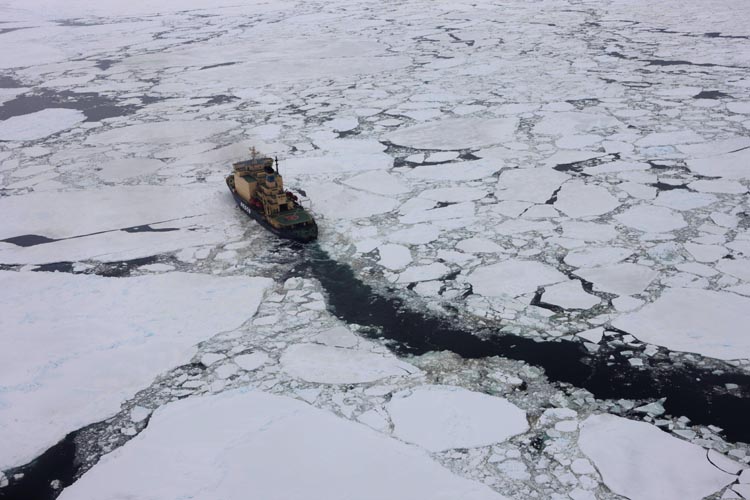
point(441, 417)
point(641, 462)
point(569, 295)
point(378, 182)
point(38, 125)
point(529, 184)
point(728, 166)
point(89, 343)
point(338, 202)
point(693, 320)
point(455, 133)
point(651, 219)
point(577, 199)
point(336, 365)
point(596, 256)
point(622, 279)
point(393, 256)
point(271, 447)
point(513, 277)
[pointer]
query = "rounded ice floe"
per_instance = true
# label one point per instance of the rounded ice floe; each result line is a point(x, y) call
point(577, 199)
point(39, 125)
point(240, 445)
point(577, 141)
point(442, 417)
point(693, 320)
point(622, 279)
point(513, 277)
point(651, 219)
point(252, 361)
point(569, 295)
point(641, 462)
point(455, 133)
point(739, 268)
point(394, 257)
point(334, 365)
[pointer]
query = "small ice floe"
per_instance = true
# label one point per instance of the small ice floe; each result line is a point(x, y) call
point(641, 462)
point(442, 417)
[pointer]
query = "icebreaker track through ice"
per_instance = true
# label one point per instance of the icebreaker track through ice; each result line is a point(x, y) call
point(531, 279)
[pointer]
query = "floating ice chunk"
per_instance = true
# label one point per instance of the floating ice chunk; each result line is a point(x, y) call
point(442, 156)
point(594, 335)
point(455, 133)
point(596, 256)
point(139, 414)
point(479, 245)
point(454, 194)
point(456, 211)
point(693, 320)
point(334, 365)
point(442, 417)
point(338, 202)
point(641, 462)
point(565, 122)
point(637, 190)
point(394, 256)
point(739, 107)
point(541, 212)
point(166, 132)
point(626, 303)
point(739, 268)
point(679, 199)
point(588, 231)
point(90, 343)
point(227, 445)
point(729, 166)
point(718, 186)
point(706, 253)
point(651, 219)
point(38, 125)
point(577, 199)
point(378, 182)
point(669, 138)
point(518, 226)
point(433, 271)
point(569, 295)
point(338, 336)
point(577, 141)
point(343, 124)
point(127, 168)
point(212, 357)
point(418, 234)
point(622, 279)
point(529, 184)
point(513, 277)
point(252, 361)
point(463, 171)
point(616, 166)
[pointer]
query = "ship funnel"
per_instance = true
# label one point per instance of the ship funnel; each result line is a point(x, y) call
point(276, 158)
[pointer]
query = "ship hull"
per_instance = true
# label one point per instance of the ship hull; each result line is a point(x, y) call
point(304, 235)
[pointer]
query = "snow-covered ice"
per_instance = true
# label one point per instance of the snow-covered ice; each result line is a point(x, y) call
point(641, 462)
point(89, 343)
point(40, 124)
point(513, 277)
point(693, 320)
point(441, 417)
point(271, 447)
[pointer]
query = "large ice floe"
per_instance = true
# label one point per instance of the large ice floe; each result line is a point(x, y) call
point(75, 347)
point(250, 443)
point(641, 462)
